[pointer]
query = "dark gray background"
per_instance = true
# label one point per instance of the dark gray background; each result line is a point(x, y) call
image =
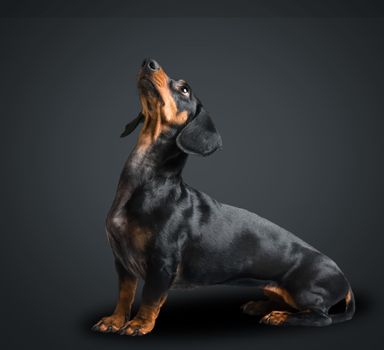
point(299, 103)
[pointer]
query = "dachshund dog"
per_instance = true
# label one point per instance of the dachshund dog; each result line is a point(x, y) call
point(171, 235)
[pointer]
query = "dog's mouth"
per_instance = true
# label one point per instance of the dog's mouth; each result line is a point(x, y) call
point(146, 86)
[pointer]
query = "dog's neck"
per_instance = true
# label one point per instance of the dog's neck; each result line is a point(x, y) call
point(152, 162)
point(156, 156)
point(160, 163)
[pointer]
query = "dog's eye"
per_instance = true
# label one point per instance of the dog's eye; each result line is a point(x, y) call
point(184, 89)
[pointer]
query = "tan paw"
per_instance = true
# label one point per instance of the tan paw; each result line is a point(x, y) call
point(275, 318)
point(137, 327)
point(109, 324)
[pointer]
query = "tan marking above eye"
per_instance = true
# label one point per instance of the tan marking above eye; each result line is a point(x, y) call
point(181, 84)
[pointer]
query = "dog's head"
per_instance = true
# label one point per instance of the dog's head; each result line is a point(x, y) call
point(169, 107)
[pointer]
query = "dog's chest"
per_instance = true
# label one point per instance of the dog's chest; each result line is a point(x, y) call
point(129, 244)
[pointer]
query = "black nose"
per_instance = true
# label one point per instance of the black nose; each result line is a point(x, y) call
point(150, 65)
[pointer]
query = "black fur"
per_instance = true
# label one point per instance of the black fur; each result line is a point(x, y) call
point(131, 126)
point(199, 136)
point(195, 240)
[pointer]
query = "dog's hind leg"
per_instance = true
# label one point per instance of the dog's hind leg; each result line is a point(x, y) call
point(263, 307)
point(265, 303)
point(302, 318)
point(274, 298)
point(311, 309)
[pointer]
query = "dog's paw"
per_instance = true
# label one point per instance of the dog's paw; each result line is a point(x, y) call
point(256, 308)
point(109, 324)
point(137, 327)
point(275, 318)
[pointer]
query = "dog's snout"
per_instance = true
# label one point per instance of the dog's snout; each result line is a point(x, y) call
point(150, 65)
point(153, 65)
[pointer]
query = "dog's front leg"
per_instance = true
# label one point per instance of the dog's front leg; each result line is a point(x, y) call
point(154, 295)
point(127, 290)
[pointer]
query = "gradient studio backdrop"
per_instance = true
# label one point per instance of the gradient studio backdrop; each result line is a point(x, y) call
point(298, 102)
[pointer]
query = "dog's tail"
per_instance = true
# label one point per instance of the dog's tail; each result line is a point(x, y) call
point(349, 309)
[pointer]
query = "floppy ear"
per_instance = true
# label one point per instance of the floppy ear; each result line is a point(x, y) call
point(131, 126)
point(199, 136)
